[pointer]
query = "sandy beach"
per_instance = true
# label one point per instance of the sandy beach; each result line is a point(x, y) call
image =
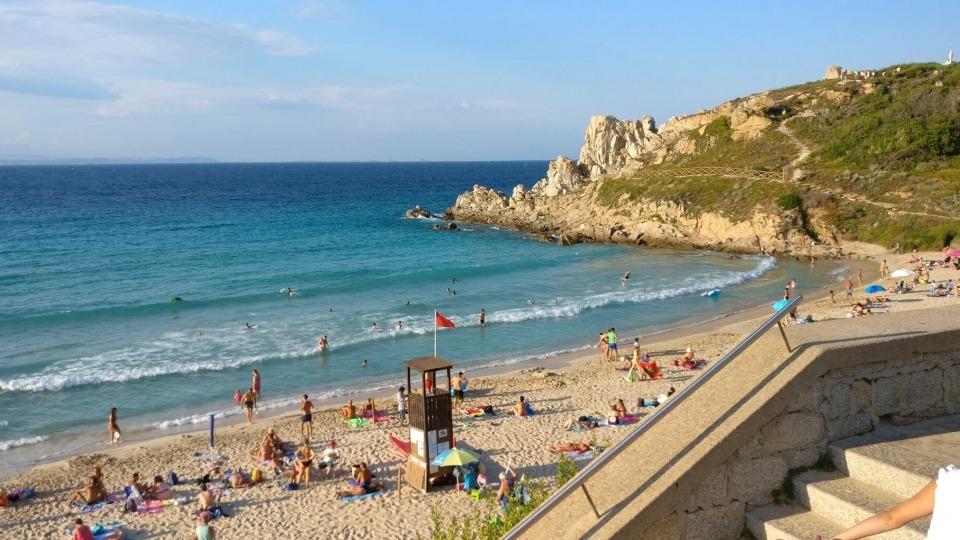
point(560, 389)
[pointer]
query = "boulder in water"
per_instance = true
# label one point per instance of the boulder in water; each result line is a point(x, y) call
point(417, 212)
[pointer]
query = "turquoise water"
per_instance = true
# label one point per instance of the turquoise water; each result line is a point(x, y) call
point(91, 257)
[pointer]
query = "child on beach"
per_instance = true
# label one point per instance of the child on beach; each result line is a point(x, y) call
point(238, 398)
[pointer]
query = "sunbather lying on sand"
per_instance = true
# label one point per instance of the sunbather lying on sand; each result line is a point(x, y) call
point(570, 447)
point(584, 422)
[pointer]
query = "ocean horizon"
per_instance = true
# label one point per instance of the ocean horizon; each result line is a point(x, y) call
point(131, 286)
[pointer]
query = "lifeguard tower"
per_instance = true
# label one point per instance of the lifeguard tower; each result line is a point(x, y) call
point(431, 418)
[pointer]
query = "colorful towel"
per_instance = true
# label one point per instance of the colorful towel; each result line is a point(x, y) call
point(356, 422)
point(150, 507)
point(381, 417)
point(579, 456)
point(81, 508)
point(102, 531)
point(364, 496)
point(210, 457)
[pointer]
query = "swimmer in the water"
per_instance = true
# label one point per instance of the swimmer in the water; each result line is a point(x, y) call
point(199, 333)
point(322, 343)
point(289, 291)
point(373, 327)
point(399, 325)
point(176, 299)
point(455, 280)
point(364, 363)
point(451, 292)
point(246, 326)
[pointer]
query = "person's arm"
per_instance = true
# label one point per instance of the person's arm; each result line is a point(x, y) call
point(915, 507)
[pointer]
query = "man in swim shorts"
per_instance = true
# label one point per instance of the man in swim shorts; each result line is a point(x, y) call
point(306, 418)
point(483, 318)
point(458, 383)
point(249, 400)
point(612, 343)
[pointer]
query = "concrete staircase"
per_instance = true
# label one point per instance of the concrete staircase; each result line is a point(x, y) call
point(874, 472)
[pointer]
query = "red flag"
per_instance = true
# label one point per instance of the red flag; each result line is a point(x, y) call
point(443, 322)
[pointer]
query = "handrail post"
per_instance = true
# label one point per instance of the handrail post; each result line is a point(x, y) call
point(579, 480)
point(590, 500)
point(784, 335)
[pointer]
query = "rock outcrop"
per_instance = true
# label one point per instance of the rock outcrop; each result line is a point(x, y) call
point(566, 206)
point(578, 217)
point(418, 212)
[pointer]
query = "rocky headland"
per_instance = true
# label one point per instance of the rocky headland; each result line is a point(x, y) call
point(747, 176)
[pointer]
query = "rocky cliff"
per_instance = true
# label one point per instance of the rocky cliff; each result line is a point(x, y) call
point(567, 206)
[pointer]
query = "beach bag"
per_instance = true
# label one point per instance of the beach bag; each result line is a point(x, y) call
point(256, 476)
point(488, 410)
point(292, 486)
point(172, 478)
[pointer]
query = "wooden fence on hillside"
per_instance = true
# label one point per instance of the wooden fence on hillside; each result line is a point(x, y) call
point(780, 176)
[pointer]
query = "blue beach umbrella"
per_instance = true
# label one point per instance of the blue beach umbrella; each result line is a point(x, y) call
point(874, 289)
point(777, 306)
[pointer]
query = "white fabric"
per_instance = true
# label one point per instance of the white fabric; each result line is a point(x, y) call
point(946, 502)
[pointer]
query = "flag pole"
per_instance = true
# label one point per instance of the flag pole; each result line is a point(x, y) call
point(434, 332)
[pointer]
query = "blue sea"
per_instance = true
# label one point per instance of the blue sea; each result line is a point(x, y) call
point(91, 256)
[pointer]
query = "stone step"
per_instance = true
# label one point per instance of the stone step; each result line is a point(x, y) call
point(847, 501)
point(789, 522)
point(900, 459)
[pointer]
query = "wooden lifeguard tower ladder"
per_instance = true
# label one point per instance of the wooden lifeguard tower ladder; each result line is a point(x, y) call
point(431, 419)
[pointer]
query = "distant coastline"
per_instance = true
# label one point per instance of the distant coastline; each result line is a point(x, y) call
point(104, 161)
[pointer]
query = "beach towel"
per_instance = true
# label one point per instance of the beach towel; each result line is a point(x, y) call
point(579, 456)
point(381, 417)
point(356, 422)
point(475, 411)
point(82, 508)
point(149, 507)
point(209, 456)
point(364, 496)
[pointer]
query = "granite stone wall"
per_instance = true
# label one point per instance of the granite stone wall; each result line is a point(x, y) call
point(842, 403)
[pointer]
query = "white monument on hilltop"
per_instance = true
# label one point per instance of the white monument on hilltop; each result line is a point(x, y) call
point(949, 58)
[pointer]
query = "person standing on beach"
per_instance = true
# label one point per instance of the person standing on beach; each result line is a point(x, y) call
point(848, 286)
point(859, 277)
point(402, 405)
point(249, 400)
point(612, 343)
point(113, 425)
point(884, 269)
point(602, 345)
point(896, 249)
point(458, 384)
point(483, 318)
point(256, 383)
point(306, 418)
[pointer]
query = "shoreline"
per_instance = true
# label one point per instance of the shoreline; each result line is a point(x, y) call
point(286, 408)
point(279, 409)
point(560, 387)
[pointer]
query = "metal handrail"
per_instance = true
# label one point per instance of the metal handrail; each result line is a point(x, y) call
point(577, 482)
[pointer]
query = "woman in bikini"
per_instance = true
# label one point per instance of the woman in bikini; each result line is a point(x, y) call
point(570, 447)
point(256, 382)
point(304, 459)
point(114, 426)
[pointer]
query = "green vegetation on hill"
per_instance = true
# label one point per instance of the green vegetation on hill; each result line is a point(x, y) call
point(884, 168)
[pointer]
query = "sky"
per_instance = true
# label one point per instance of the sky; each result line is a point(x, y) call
point(330, 80)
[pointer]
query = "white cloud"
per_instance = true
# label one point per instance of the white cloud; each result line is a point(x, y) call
point(93, 40)
point(149, 96)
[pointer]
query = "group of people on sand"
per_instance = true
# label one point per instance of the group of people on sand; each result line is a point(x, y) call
point(95, 491)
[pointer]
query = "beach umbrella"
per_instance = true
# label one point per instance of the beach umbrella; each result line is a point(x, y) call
point(777, 306)
point(455, 457)
point(903, 272)
point(954, 253)
point(874, 289)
